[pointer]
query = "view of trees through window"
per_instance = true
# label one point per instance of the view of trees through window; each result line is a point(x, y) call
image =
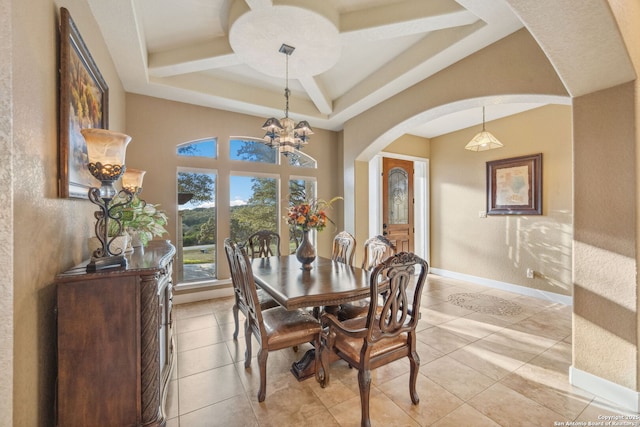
point(300, 190)
point(198, 225)
point(259, 211)
point(253, 204)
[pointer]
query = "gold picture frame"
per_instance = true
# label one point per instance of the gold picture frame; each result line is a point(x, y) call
point(514, 186)
point(83, 103)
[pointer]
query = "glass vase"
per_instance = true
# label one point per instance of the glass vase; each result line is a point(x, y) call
point(306, 252)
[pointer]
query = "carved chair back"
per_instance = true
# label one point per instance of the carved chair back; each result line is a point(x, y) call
point(376, 249)
point(264, 243)
point(250, 293)
point(229, 249)
point(344, 245)
point(393, 296)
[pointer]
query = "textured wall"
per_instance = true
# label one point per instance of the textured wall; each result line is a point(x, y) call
point(49, 233)
point(6, 218)
point(605, 272)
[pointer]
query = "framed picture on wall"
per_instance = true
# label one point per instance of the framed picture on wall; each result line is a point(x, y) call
point(514, 186)
point(83, 103)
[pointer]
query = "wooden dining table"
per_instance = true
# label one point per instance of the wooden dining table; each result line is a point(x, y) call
point(327, 284)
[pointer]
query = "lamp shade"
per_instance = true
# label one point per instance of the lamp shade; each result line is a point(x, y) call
point(483, 141)
point(105, 146)
point(132, 179)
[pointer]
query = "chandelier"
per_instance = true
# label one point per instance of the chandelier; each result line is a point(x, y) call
point(285, 134)
point(483, 140)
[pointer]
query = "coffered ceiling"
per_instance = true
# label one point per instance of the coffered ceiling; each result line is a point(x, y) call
point(349, 54)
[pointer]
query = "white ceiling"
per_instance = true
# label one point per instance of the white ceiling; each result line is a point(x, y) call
point(349, 54)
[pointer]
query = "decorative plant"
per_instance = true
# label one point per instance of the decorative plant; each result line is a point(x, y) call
point(142, 219)
point(310, 214)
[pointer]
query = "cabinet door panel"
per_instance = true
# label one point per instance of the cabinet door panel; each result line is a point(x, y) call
point(98, 353)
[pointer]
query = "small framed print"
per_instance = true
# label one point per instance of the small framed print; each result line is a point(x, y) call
point(514, 186)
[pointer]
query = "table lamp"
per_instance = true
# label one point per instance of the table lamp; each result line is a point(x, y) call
point(106, 152)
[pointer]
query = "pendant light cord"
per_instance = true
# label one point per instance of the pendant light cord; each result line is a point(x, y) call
point(286, 89)
point(483, 118)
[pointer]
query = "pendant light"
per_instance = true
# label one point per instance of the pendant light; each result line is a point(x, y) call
point(484, 140)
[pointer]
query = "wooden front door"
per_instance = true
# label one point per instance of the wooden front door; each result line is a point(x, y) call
point(397, 203)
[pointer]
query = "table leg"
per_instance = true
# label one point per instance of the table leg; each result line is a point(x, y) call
point(305, 367)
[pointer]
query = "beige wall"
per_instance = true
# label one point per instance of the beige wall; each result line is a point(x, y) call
point(6, 217)
point(49, 234)
point(410, 145)
point(157, 126)
point(503, 247)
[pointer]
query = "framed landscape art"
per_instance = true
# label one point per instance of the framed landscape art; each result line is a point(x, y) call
point(514, 186)
point(84, 103)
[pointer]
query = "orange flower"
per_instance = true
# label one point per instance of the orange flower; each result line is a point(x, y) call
point(310, 215)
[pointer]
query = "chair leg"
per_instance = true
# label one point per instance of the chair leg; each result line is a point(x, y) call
point(247, 339)
point(364, 382)
point(262, 362)
point(235, 319)
point(321, 363)
point(414, 364)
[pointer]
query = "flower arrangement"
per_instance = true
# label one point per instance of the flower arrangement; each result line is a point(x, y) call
point(310, 214)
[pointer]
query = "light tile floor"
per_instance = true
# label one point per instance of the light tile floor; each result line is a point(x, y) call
point(476, 369)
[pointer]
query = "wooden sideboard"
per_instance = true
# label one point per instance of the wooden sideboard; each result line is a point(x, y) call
point(115, 341)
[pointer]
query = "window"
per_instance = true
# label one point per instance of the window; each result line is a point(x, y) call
point(201, 148)
point(302, 160)
point(196, 225)
point(253, 205)
point(251, 150)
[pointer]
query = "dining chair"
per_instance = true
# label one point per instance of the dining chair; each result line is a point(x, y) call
point(386, 334)
point(343, 249)
point(265, 300)
point(275, 328)
point(376, 249)
point(264, 243)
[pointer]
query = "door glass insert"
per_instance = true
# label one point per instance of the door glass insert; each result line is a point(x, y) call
point(398, 196)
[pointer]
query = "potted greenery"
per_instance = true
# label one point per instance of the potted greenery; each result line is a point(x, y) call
point(141, 220)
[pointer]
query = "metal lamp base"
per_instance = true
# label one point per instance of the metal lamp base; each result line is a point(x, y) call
point(97, 264)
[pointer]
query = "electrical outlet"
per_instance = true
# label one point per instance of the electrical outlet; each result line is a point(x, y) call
point(530, 273)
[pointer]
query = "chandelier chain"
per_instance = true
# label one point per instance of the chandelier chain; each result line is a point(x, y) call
point(284, 134)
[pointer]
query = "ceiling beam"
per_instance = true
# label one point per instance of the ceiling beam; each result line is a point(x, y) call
point(189, 59)
point(403, 19)
point(317, 94)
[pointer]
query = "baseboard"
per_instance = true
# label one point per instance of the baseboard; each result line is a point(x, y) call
point(523, 290)
point(622, 396)
point(186, 293)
